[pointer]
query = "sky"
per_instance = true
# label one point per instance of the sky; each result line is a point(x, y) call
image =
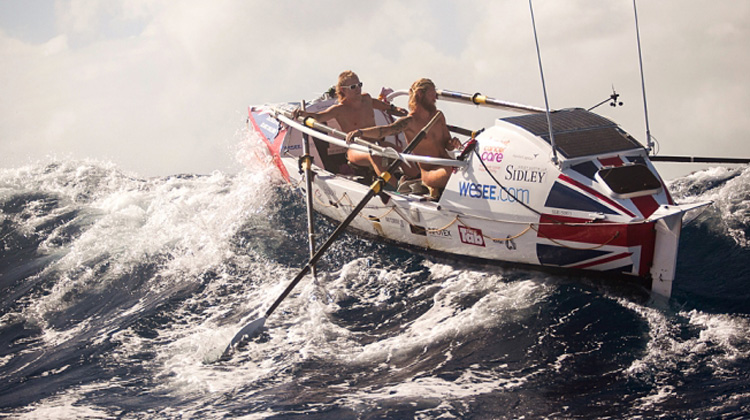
point(162, 87)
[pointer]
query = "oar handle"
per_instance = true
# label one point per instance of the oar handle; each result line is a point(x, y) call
point(310, 122)
point(464, 131)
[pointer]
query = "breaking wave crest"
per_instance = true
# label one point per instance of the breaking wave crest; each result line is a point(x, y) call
point(729, 189)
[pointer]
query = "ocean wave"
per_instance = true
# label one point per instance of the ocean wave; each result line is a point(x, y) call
point(729, 190)
point(121, 293)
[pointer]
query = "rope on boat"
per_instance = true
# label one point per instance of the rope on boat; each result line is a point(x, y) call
point(523, 232)
point(374, 218)
point(337, 202)
point(457, 219)
point(506, 239)
point(331, 203)
point(518, 235)
point(573, 247)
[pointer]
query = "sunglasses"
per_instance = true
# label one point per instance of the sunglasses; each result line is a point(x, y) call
point(354, 86)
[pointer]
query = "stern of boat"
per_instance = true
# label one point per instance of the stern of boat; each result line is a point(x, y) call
point(667, 225)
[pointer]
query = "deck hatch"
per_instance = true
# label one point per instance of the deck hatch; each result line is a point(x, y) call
point(630, 180)
point(578, 132)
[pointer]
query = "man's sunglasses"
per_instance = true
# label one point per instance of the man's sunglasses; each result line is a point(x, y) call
point(354, 86)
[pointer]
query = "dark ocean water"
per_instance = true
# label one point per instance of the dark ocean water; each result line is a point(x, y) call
point(119, 295)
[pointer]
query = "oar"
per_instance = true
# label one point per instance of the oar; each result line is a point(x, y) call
point(464, 131)
point(253, 327)
point(697, 159)
point(479, 99)
point(387, 152)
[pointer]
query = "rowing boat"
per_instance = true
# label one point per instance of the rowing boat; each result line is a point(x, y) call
point(566, 189)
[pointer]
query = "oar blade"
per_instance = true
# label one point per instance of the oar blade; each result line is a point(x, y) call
point(247, 332)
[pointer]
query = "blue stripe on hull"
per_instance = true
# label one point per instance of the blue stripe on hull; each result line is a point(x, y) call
point(562, 197)
point(561, 256)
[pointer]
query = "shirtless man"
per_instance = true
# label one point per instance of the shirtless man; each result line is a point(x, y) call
point(353, 111)
point(437, 142)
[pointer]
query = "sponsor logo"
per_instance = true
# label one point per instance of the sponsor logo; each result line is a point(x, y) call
point(269, 130)
point(525, 157)
point(492, 157)
point(508, 242)
point(493, 192)
point(471, 236)
point(395, 221)
point(444, 233)
point(524, 174)
point(493, 154)
point(293, 147)
point(267, 124)
point(497, 148)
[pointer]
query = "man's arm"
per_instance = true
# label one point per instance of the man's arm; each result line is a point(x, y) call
point(332, 112)
point(449, 142)
point(389, 108)
point(380, 131)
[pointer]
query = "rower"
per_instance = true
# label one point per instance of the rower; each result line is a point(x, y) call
point(437, 143)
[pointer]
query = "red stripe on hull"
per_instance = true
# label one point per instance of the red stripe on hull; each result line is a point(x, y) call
point(602, 233)
point(272, 147)
point(604, 260)
point(647, 205)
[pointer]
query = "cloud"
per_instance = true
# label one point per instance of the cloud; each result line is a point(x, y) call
point(162, 87)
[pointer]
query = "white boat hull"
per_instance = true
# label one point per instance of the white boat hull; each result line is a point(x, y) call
point(510, 202)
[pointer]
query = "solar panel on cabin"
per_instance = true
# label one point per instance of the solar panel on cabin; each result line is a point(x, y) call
point(564, 120)
point(591, 142)
point(577, 132)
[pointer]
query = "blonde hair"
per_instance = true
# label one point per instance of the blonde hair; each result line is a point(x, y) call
point(416, 91)
point(346, 74)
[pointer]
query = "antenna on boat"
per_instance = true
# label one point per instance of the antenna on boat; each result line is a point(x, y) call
point(613, 100)
point(544, 88)
point(649, 141)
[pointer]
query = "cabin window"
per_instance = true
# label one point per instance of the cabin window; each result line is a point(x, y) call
point(630, 180)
